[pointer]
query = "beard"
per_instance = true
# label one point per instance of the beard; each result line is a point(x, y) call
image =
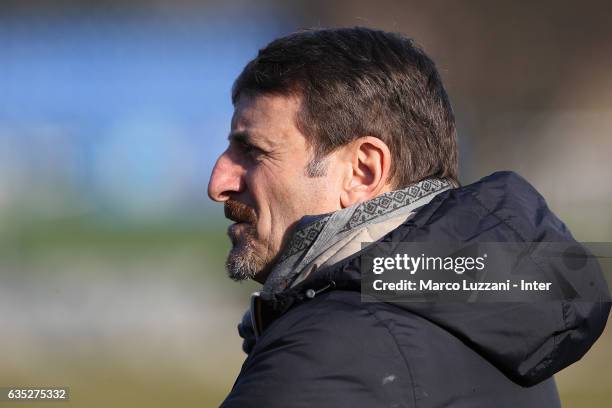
point(245, 260)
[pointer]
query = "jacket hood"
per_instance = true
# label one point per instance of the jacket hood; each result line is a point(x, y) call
point(528, 342)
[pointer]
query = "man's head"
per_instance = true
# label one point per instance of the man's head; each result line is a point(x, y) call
point(325, 119)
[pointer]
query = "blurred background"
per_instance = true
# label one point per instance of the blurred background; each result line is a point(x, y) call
point(112, 113)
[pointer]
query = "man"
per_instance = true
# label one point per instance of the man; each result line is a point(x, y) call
point(346, 136)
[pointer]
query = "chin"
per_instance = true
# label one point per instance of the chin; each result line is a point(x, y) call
point(244, 262)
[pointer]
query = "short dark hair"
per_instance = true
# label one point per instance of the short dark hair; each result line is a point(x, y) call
point(355, 82)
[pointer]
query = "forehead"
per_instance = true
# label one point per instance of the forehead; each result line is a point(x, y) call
point(268, 117)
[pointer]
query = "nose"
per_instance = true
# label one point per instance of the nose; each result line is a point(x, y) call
point(226, 178)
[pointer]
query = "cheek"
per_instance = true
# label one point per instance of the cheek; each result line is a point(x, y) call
point(283, 196)
point(271, 199)
point(279, 198)
point(322, 194)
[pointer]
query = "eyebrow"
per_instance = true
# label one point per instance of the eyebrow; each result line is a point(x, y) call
point(247, 138)
point(240, 136)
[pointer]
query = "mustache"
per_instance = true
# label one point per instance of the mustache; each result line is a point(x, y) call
point(239, 212)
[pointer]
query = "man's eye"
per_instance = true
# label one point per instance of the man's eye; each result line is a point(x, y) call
point(251, 150)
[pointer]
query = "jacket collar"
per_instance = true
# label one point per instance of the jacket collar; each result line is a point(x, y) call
point(317, 236)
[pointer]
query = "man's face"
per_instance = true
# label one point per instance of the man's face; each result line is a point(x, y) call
point(262, 180)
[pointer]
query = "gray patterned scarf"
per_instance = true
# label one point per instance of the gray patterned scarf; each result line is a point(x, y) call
point(314, 234)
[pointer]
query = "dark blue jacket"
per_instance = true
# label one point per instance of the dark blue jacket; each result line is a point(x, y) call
point(335, 351)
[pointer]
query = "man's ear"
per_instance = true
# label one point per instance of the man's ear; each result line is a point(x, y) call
point(368, 167)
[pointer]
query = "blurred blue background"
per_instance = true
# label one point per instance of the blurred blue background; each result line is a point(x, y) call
point(112, 114)
point(117, 112)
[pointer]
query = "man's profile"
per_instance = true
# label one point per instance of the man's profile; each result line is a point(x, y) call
point(346, 136)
